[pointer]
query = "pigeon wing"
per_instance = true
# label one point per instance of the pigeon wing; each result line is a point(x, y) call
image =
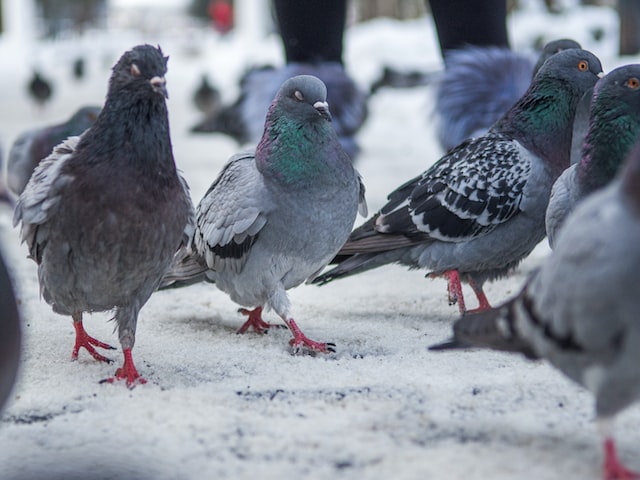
point(41, 197)
point(468, 193)
point(231, 215)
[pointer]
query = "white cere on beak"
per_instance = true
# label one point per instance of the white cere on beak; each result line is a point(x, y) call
point(159, 85)
point(601, 74)
point(321, 106)
point(323, 109)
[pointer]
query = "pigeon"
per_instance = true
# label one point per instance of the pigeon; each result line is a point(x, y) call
point(206, 98)
point(40, 88)
point(78, 68)
point(34, 145)
point(479, 85)
point(479, 210)
point(244, 119)
point(392, 77)
point(10, 338)
point(6, 196)
point(273, 219)
point(579, 310)
point(104, 214)
point(614, 127)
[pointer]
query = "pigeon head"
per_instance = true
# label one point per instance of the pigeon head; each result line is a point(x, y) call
point(614, 126)
point(85, 116)
point(574, 66)
point(303, 97)
point(542, 120)
point(142, 65)
point(553, 47)
point(297, 131)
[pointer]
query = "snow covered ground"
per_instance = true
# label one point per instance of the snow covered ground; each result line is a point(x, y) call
point(221, 405)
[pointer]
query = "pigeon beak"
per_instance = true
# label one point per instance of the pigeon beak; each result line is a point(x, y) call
point(159, 85)
point(601, 74)
point(323, 109)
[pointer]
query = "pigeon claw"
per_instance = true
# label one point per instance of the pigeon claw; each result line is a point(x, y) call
point(300, 342)
point(254, 321)
point(127, 372)
point(613, 468)
point(83, 340)
point(454, 288)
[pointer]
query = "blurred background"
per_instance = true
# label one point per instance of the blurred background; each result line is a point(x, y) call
point(67, 48)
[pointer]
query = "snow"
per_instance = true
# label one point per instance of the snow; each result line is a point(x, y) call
point(221, 405)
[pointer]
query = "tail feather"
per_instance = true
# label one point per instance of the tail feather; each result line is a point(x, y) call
point(494, 328)
point(185, 270)
point(354, 264)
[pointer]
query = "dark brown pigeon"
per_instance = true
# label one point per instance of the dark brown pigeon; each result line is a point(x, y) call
point(104, 214)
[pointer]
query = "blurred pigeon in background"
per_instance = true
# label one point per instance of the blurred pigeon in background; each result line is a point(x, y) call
point(34, 145)
point(39, 88)
point(6, 199)
point(206, 98)
point(272, 220)
point(478, 211)
point(614, 127)
point(244, 120)
point(78, 68)
point(395, 78)
point(10, 340)
point(104, 214)
point(580, 309)
point(479, 85)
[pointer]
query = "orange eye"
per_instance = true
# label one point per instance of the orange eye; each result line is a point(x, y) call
point(633, 83)
point(583, 65)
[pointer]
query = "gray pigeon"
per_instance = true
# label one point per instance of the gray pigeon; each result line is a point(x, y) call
point(34, 145)
point(478, 211)
point(10, 339)
point(272, 220)
point(580, 309)
point(614, 127)
point(104, 214)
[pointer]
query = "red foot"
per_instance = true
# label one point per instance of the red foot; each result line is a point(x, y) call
point(255, 321)
point(483, 303)
point(127, 372)
point(613, 468)
point(454, 287)
point(83, 340)
point(300, 341)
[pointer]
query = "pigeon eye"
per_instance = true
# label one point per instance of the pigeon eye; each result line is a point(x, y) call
point(299, 96)
point(135, 71)
point(583, 65)
point(633, 83)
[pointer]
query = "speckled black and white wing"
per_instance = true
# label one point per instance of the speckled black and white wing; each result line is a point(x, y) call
point(41, 196)
point(231, 214)
point(468, 193)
